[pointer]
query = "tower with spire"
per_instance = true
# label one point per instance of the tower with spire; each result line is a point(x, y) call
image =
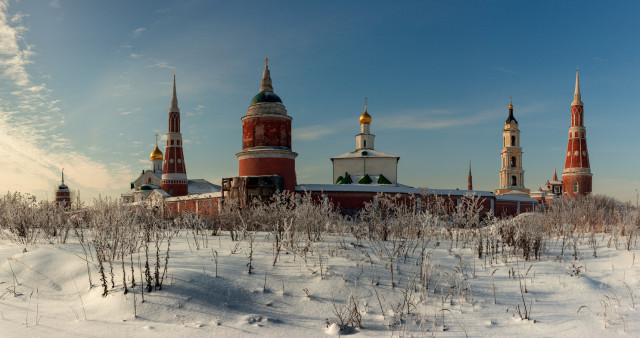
point(511, 171)
point(174, 173)
point(63, 195)
point(469, 179)
point(266, 136)
point(577, 176)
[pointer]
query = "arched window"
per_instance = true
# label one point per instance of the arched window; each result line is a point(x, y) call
point(514, 180)
point(513, 161)
point(575, 187)
point(365, 143)
point(513, 141)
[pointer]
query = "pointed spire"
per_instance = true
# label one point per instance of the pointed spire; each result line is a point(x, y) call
point(174, 99)
point(469, 179)
point(577, 99)
point(511, 119)
point(266, 78)
point(62, 175)
point(555, 176)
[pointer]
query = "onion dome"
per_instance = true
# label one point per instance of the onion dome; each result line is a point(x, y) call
point(156, 154)
point(266, 94)
point(511, 119)
point(365, 118)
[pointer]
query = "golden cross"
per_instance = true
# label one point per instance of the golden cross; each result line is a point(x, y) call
point(365, 102)
point(266, 63)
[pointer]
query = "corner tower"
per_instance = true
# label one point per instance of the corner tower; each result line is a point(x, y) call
point(63, 195)
point(174, 174)
point(266, 137)
point(577, 176)
point(511, 171)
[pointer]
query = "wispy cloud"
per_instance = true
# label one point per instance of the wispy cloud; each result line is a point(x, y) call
point(135, 56)
point(138, 31)
point(32, 150)
point(312, 133)
point(55, 4)
point(505, 70)
point(160, 64)
point(428, 119)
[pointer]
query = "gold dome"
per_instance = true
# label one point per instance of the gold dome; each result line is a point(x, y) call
point(365, 118)
point(156, 154)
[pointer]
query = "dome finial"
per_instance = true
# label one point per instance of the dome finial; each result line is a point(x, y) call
point(62, 175)
point(174, 99)
point(365, 118)
point(266, 85)
point(511, 118)
point(156, 154)
point(577, 98)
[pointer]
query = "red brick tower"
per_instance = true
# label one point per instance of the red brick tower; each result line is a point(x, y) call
point(174, 173)
point(576, 178)
point(63, 195)
point(266, 137)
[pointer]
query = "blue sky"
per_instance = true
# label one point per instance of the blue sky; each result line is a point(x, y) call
point(87, 84)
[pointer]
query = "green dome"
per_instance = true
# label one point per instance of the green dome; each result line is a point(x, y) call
point(266, 97)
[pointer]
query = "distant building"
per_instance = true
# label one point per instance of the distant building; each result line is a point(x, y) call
point(365, 165)
point(511, 171)
point(168, 175)
point(267, 165)
point(63, 194)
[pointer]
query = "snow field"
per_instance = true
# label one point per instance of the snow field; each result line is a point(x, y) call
point(446, 293)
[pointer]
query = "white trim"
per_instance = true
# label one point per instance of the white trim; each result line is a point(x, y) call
point(174, 176)
point(266, 153)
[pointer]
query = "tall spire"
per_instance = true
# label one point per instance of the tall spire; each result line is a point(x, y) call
point(62, 175)
point(174, 99)
point(469, 179)
point(266, 78)
point(577, 98)
point(555, 176)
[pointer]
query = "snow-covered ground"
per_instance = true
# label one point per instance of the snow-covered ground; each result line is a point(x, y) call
point(45, 291)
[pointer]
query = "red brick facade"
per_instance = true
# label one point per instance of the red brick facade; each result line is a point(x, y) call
point(266, 131)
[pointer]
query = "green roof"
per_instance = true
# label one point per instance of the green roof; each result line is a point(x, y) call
point(365, 179)
point(266, 97)
point(383, 180)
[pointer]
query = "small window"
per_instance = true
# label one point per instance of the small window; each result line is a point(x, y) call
point(178, 142)
point(575, 187)
point(171, 142)
point(513, 162)
point(513, 141)
point(514, 181)
point(365, 143)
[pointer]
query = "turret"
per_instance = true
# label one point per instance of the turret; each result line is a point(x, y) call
point(577, 176)
point(266, 136)
point(174, 173)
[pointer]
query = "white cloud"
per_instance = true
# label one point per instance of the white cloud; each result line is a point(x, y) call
point(134, 55)
point(55, 4)
point(32, 150)
point(138, 31)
